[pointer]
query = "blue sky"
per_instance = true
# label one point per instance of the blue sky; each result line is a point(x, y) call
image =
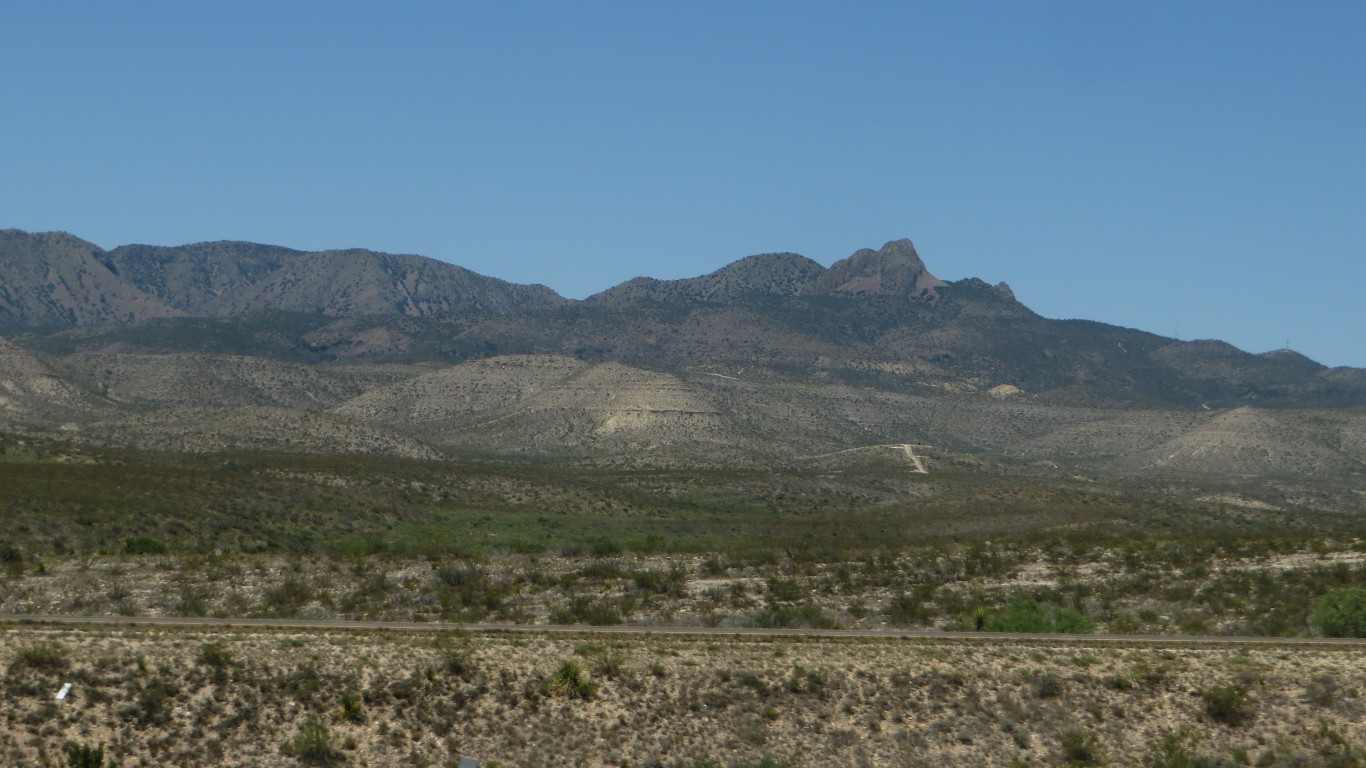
point(1193, 169)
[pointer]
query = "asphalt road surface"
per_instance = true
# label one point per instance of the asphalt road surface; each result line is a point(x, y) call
point(907, 634)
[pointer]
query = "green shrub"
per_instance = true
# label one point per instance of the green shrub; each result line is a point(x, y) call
point(586, 610)
point(604, 547)
point(144, 545)
point(1022, 615)
point(610, 664)
point(462, 575)
point(153, 704)
point(215, 654)
point(1341, 613)
point(786, 616)
point(288, 595)
point(570, 679)
point(10, 554)
point(672, 582)
point(84, 756)
point(1026, 614)
point(908, 609)
point(1070, 621)
point(351, 708)
point(1048, 686)
point(1081, 747)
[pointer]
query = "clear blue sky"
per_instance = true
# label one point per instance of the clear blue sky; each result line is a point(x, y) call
point(1192, 169)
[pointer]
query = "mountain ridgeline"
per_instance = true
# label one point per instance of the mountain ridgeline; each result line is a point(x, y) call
point(768, 361)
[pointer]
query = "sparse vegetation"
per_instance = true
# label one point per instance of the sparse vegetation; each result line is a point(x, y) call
point(600, 698)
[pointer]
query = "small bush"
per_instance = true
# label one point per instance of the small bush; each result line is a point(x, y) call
point(314, 745)
point(10, 554)
point(908, 609)
point(84, 756)
point(672, 582)
point(569, 679)
point(1322, 690)
point(216, 655)
point(586, 610)
point(144, 545)
point(290, 594)
point(1081, 747)
point(1227, 704)
point(1048, 686)
point(153, 704)
point(609, 664)
point(352, 710)
point(1341, 613)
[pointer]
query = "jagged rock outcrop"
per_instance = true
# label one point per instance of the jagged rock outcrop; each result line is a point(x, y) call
point(895, 270)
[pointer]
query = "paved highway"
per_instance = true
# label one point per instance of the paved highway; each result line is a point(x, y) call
point(907, 634)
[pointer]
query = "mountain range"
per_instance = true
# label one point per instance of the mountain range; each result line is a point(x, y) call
point(773, 360)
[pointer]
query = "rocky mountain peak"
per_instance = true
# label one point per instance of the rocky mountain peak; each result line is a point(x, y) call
point(895, 270)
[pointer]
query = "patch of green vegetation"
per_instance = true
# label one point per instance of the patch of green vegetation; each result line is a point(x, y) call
point(1341, 613)
point(1026, 614)
point(570, 679)
point(84, 756)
